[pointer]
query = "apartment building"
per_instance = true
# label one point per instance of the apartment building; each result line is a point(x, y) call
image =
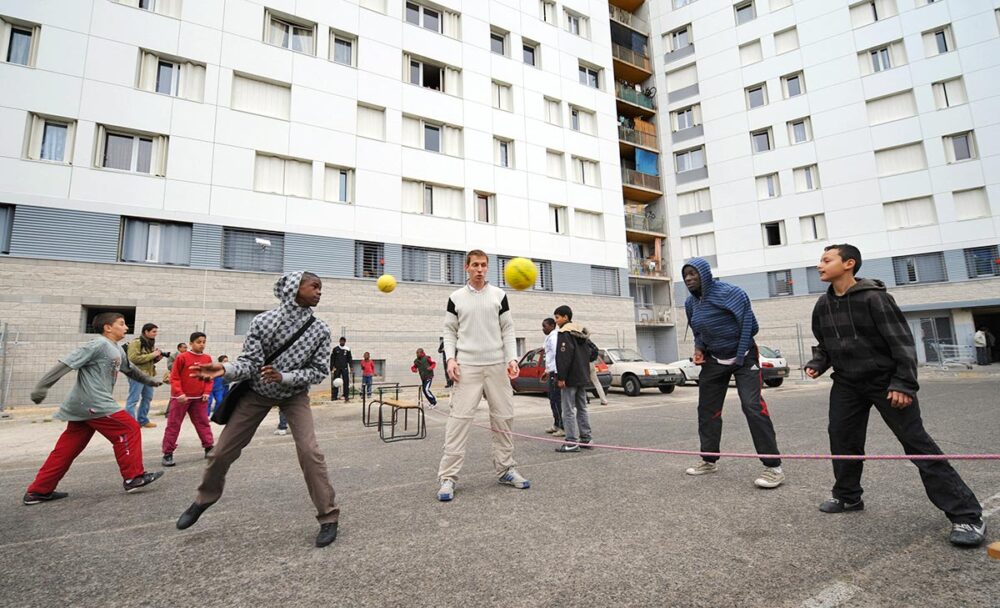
point(167, 158)
point(795, 124)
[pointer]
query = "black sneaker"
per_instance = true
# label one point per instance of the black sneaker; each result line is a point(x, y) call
point(189, 517)
point(968, 535)
point(835, 505)
point(568, 447)
point(207, 450)
point(327, 534)
point(31, 498)
point(585, 444)
point(168, 460)
point(141, 481)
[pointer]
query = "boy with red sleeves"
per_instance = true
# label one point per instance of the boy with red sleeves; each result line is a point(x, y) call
point(188, 395)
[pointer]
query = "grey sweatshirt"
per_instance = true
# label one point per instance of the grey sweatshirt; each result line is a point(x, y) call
point(478, 328)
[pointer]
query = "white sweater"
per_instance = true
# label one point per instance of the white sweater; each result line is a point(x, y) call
point(478, 329)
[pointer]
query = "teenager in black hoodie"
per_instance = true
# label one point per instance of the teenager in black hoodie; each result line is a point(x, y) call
point(864, 337)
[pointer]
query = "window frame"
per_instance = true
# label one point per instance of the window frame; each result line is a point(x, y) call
point(952, 152)
point(587, 73)
point(345, 184)
point(33, 31)
point(779, 227)
point(490, 206)
point(740, 6)
point(503, 37)
point(768, 133)
point(786, 79)
point(762, 87)
point(535, 47)
point(341, 37)
point(421, 21)
point(689, 154)
point(134, 150)
point(292, 24)
point(558, 219)
point(806, 126)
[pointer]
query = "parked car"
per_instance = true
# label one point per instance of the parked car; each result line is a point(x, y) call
point(532, 366)
point(633, 373)
point(773, 367)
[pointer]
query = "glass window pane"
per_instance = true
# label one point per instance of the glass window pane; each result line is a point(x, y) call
point(428, 200)
point(799, 129)
point(164, 78)
point(756, 97)
point(432, 138)
point(415, 70)
point(20, 46)
point(504, 158)
point(53, 142)
point(794, 87)
point(343, 186)
point(302, 40)
point(529, 55)
point(279, 33)
point(145, 157)
point(962, 149)
point(496, 43)
point(118, 152)
point(412, 13)
point(432, 20)
point(342, 51)
point(942, 42)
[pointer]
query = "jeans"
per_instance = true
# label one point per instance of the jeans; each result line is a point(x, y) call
point(141, 394)
point(555, 402)
point(576, 421)
point(366, 386)
point(282, 421)
point(425, 387)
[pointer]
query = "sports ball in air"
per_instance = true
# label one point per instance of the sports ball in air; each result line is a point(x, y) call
point(520, 273)
point(338, 382)
point(386, 283)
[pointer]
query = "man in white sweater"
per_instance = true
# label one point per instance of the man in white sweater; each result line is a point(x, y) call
point(482, 358)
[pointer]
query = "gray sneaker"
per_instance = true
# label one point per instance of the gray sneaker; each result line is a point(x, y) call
point(968, 535)
point(703, 468)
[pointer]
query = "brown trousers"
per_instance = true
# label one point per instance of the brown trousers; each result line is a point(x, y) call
point(236, 435)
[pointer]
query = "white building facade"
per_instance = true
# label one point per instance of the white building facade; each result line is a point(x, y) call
point(797, 124)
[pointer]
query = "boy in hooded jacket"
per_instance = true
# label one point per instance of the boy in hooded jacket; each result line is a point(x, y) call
point(572, 377)
point(865, 338)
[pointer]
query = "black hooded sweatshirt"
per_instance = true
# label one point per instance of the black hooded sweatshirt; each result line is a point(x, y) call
point(864, 337)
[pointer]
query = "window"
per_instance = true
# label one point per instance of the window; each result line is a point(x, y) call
point(756, 95)
point(698, 245)
point(425, 74)
point(768, 186)
point(604, 281)
point(369, 260)
point(806, 178)
point(793, 85)
point(433, 137)
point(171, 76)
point(751, 52)
point(689, 160)
point(342, 48)
point(590, 76)
point(882, 58)
point(371, 122)
point(171, 8)
point(486, 208)
point(779, 283)
point(498, 42)
point(686, 118)
point(557, 219)
point(586, 171)
point(442, 22)
point(555, 164)
point(582, 120)
point(799, 131)
point(682, 78)
point(695, 201)
point(542, 283)
point(924, 268)
point(503, 152)
point(51, 139)
point(901, 159)
point(261, 97)
point(137, 153)
point(433, 266)
point(290, 34)
point(547, 11)
point(938, 41)
point(588, 225)
point(21, 41)
point(745, 12)
point(433, 199)
point(6, 227)
point(949, 93)
point(288, 176)
point(786, 40)
point(529, 52)
point(971, 204)
point(891, 107)
point(89, 312)
point(813, 227)
point(959, 147)
point(982, 262)
point(680, 38)
point(253, 250)
point(553, 111)
point(871, 11)
point(374, 5)
point(779, 4)
point(910, 213)
point(577, 24)
point(154, 242)
point(762, 140)
point(503, 96)
point(774, 233)
point(338, 184)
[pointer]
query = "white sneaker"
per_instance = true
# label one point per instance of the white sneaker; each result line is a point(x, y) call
point(772, 477)
point(703, 468)
point(513, 478)
point(447, 490)
point(281, 432)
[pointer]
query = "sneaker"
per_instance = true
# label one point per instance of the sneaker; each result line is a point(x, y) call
point(141, 481)
point(568, 447)
point(703, 468)
point(585, 444)
point(559, 433)
point(551, 429)
point(772, 477)
point(604, 402)
point(447, 490)
point(281, 432)
point(968, 535)
point(835, 505)
point(149, 425)
point(33, 498)
point(190, 516)
point(513, 478)
point(207, 450)
point(327, 534)
point(168, 460)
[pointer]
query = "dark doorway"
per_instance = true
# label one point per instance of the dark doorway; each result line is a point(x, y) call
point(990, 319)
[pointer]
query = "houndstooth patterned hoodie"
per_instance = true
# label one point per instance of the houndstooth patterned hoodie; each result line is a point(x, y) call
point(305, 362)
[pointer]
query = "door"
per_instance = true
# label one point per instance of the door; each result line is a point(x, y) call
point(935, 330)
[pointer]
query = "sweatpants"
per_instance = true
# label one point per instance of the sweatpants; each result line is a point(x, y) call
point(576, 421)
point(713, 384)
point(475, 382)
point(850, 405)
point(597, 384)
point(425, 387)
point(196, 410)
point(247, 416)
point(119, 428)
point(555, 401)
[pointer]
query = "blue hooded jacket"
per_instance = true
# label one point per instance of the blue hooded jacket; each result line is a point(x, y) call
point(721, 319)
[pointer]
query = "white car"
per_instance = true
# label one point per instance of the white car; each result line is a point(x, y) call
point(773, 367)
point(633, 373)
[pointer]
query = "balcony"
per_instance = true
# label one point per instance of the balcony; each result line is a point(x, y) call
point(640, 187)
point(640, 222)
point(628, 19)
point(633, 103)
point(649, 268)
point(630, 64)
point(637, 138)
point(627, 5)
point(654, 314)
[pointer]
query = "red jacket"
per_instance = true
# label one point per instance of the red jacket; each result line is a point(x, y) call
point(181, 382)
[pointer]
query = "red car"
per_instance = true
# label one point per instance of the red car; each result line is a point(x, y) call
point(532, 366)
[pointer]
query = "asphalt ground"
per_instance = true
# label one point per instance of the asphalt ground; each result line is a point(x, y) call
point(598, 528)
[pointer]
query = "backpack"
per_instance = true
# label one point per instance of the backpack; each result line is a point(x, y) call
point(593, 352)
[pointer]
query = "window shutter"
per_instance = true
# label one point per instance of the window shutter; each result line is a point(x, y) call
point(892, 107)
point(269, 174)
point(412, 197)
point(147, 71)
point(785, 41)
point(903, 159)
point(411, 131)
point(371, 122)
point(298, 178)
point(679, 79)
point(192, 84)
point(970, 204)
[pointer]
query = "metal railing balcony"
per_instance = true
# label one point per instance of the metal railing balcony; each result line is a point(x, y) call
point(653, 314)
point(629, 94)
point(639, 221)
point(636, 137)
point(626, 18)
point(631, 177)
point(639, 60)
point(646, 267)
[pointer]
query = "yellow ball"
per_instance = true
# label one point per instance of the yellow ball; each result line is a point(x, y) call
point(520, 273)
point(386, 283)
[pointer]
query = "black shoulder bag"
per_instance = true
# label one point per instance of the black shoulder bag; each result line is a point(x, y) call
point(239, 389)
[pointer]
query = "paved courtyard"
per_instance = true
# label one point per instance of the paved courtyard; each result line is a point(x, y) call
point(599, 528)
